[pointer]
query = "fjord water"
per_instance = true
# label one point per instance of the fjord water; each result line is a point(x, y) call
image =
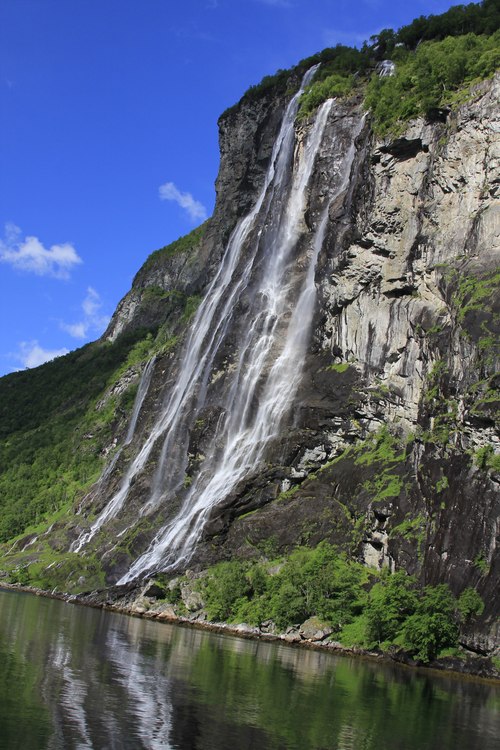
point(74, 677)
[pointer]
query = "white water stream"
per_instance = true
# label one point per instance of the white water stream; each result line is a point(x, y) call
point(112, 508)
point(272, 328)
point(266, 377)
point(139, 398)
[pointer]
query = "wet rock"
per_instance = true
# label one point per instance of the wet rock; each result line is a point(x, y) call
point(246, 629)
point(166, 612)
point(314, 629)
point(404, 148)
point(292, 635)
point(193, 600)
point(268, 626)
point(154, 590)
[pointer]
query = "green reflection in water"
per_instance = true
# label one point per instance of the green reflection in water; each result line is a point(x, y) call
point(73, 677)
point(345, 705)
point(308, 699)
point(24, 720)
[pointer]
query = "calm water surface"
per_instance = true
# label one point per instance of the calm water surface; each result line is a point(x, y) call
point(72, 677)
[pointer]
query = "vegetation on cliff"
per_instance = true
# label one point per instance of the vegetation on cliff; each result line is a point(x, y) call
point(360, 606)
point(430, 78)
point(186, 244)
point(55, 425)
point(434, 56)
point(58, 421)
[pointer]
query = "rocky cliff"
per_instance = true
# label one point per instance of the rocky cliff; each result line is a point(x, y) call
point(389, 448)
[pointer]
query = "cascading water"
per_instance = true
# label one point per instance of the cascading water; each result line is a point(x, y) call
point(270, 264)
point(268, 368)
point(109, 511)
point(205, 336)
point(139, 399)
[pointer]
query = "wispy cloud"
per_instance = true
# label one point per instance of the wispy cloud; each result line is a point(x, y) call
point(92, 321)
point(195, 210)
point(30, 255)
point(31, 354)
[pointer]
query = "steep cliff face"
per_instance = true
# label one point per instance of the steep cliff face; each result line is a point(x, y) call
point(247, 135)
point(406, 337)
point(389, 445)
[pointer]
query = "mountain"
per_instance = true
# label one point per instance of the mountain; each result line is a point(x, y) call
point(316, 363)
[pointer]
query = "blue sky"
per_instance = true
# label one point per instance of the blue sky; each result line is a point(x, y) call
point(108, 138)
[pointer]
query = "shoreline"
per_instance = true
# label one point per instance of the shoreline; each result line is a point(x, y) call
point(474, 668)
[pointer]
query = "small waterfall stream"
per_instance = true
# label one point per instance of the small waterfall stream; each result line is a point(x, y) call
point(269, 261)
point(139, 398)
point(110, 510)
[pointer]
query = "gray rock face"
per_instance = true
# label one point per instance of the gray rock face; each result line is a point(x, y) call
point(429, 212)
point(389, 448)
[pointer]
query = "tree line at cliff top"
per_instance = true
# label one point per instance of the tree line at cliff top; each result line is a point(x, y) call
point(467, 33)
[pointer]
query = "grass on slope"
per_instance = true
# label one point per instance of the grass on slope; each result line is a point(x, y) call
point(53, 428)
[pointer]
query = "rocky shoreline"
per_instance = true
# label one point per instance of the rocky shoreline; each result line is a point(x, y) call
point(128, 602)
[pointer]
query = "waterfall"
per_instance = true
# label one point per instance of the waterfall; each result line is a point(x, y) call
point(207, 332)
point(139, 398)
point(261, 303)
point(268, 368)
point(110, 510)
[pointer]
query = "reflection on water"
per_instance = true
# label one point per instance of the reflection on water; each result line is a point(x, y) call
point(79, 678)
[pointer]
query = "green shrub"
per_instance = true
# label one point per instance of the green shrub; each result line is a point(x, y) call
point(428, 78)
point(390, 602)
point(425, 635)
point(223, 589)
point(364, 608)
point(20, 575)
point(309, 582)
point(486, 458)
point(470, 604)
point(336, 85)
point(433, 626)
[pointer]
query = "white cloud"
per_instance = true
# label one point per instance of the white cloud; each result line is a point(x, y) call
point(77, 330)
point(31, 354)
point(30, 255)
point(195, 209)
point(93, 320)
point(91, 303)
